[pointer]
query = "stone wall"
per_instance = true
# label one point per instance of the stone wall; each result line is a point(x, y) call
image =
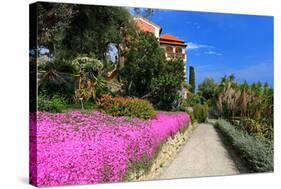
point(167, 153)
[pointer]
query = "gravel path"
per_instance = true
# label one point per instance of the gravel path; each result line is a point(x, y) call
point(204, 154)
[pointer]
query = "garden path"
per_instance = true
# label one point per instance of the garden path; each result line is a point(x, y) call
point(204, 154)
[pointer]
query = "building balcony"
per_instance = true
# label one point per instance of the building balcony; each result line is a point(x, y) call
point(176, 55)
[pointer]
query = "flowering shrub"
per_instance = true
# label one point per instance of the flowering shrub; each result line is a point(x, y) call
point(83, 148)
point(120, 106)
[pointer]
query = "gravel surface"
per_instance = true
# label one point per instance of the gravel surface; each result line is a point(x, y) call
point(204, 154)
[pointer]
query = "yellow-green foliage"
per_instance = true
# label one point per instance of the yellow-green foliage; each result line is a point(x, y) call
point(259, 129)
point(200, 112)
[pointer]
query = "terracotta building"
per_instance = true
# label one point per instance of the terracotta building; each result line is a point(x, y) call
point(148, 26)
point(173, 46)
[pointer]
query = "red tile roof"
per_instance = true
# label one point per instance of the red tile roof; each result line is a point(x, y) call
point(173, 43)
point(169, 37)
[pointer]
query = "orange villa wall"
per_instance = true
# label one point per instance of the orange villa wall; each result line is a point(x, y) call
point(145, 27)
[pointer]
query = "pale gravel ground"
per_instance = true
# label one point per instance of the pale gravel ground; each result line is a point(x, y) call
point(204, 154)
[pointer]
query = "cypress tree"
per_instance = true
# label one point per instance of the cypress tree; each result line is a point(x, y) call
point(192, 79)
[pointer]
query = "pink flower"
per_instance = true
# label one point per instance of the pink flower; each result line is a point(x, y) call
point(75, 148)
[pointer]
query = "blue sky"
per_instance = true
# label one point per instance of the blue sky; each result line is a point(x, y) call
point(221, 44)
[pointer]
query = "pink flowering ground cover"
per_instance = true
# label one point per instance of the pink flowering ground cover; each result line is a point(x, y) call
point(83, 148)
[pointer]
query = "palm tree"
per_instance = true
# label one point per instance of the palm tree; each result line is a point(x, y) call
point(50, 77)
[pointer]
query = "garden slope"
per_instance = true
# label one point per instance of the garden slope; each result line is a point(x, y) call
point(75, 148)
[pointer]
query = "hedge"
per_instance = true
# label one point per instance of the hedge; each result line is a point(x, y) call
point(257, 154)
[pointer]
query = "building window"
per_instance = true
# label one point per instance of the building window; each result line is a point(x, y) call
point(178, 50)
point(169, 49)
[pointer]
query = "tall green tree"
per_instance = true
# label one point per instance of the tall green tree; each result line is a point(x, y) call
point(192, 79)
point(147, 73)
point(207, 88)
point(68, 30)
point(144, 61)
point(93, 28)
point(53, 19)
point(166, 87)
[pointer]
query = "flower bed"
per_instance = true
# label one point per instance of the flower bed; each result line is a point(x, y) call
point(83, 148)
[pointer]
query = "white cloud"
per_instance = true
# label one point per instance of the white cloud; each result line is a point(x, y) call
point(213, 53)
point(210, 49)
point(193, 46)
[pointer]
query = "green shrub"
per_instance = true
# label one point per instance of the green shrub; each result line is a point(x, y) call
point(189, 110)
point(65, 67)
point(207, 88)
point(256, 128)
point(53, 81)
point(100, 91)
point(54, 104)
point(120, 106)
point(165, 91)
point(192, 100)
point(257, 154)
point(192, 117)
point(200, 112)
